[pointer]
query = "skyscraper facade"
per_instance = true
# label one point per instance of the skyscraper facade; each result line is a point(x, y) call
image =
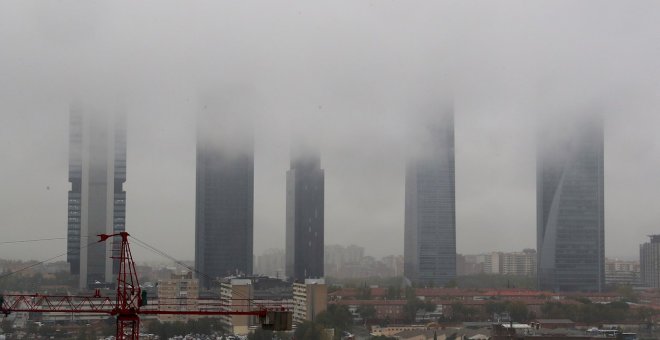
point(224, 196)
point(304, 216)
point(649, 262)
point(570, 205)
point(97, 200)
point(430, 205)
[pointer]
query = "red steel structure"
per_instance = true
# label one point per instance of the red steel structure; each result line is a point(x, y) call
point(130, 303)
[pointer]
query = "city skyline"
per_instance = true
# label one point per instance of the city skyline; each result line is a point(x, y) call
point(366, 80)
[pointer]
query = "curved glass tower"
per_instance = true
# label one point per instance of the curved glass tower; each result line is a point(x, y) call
point(570, 205)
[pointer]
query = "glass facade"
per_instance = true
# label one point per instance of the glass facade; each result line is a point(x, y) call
point(96, 199)
point(305, 218)
point(224, 200)
point(430, 207)
point(570, 206)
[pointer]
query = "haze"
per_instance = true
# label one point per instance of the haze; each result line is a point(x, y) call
point(356, 75)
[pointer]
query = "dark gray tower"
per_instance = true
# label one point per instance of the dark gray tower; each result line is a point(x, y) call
point(97, 200)
point(224, 196)
point(430, 207)
point(570, 205)
point(304, 215)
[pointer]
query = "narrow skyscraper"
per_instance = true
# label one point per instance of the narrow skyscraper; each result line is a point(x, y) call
point(570, 205)
point(304, 215)
point(224, 195)
point(97, 200)
point(430, 205)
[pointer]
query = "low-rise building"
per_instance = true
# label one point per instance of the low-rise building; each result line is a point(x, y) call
point(179, 293)
point(309, 299)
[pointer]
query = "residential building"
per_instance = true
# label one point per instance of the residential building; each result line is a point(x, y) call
point(430, 204)
point(178, 294)
point(271, 263)
point(518, 263)
point(224, 195)
point(304, 215)
point(96, 198)
point(649, 261)
point(236, 295)
point(309, 299)
point(570, 204)
point(619, 272)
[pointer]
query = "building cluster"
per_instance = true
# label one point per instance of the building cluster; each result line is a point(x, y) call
point(306, 299)
point(513, 263)
point(350, 262)
point(570, 206)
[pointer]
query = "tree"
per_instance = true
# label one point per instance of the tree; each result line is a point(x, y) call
point(337, 317)
point(308, 330)
point(367, 312)
point(517, 311)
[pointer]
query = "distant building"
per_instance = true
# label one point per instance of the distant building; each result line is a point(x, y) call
point(271, 263)
point(649, 261)
point(309, 299)
point(522, 263)
point(304, 215)
point(570, 205)
point(97, 200)
point(224, 195)
point(618, 272)
point(173, 292)
point(505, 263)
point(430, 205)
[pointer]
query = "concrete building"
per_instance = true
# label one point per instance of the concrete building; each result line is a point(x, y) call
point(224, 194)
point(619, 272)
point(236, 295)
point(173, 292)
point(271, 263)
point(309, 299)
point(649, 261)
point(518, 263)
point(96, 199)
point(430, 205)
point(570, 204)
point(304, 215)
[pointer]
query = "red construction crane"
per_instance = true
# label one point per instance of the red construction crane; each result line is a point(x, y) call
point(129, 302)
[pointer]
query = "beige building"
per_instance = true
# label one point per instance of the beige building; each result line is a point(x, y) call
point(236, 295)
point(179, 293)
point(309, 299)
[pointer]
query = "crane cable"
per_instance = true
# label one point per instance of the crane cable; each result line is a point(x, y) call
point(41, 262)
point(162, 253)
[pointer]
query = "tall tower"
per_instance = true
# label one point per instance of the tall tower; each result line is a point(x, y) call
point(430, 205)
point(304, 215)
point(570, 205)
point(224, 195)
point(97, 200)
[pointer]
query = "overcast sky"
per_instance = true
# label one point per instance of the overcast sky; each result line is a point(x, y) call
point(355, 74)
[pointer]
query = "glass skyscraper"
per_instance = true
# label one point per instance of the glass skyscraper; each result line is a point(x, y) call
point(430, 205)
point(96, 199)
point(304, 216)
point(224, 196)
point(570, 205)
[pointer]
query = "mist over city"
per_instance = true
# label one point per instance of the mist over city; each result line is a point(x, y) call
point(364, 72)
point(354, 94)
